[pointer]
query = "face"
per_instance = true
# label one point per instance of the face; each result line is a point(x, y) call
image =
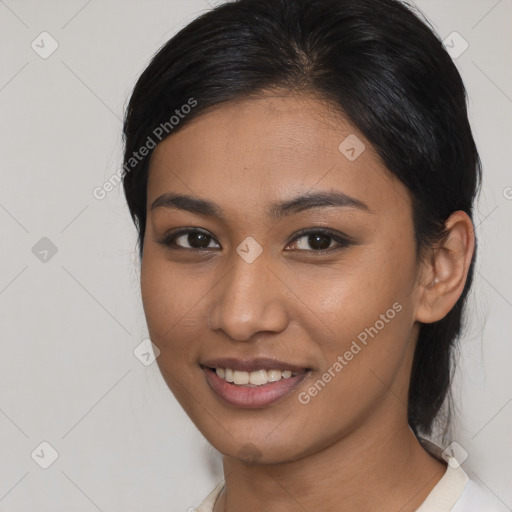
point(293, 253)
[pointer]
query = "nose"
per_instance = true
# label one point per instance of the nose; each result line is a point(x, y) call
point(250, 299)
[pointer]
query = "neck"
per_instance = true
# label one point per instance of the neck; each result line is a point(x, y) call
point(376, 467)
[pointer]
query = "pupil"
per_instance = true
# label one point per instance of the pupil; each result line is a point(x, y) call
point(202, 239)
point(313, 241)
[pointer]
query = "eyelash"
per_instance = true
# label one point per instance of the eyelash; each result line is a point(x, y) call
point(343, 241)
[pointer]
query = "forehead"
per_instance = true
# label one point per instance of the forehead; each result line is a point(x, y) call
point(271, 147)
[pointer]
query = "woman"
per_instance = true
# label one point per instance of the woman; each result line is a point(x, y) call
point(302, 175)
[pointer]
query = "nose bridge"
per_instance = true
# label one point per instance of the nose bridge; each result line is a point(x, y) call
point(247, 301)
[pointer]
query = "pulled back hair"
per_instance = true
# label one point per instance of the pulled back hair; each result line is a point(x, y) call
point(374, 60)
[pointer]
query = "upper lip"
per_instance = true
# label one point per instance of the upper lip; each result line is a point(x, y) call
point(249, 365)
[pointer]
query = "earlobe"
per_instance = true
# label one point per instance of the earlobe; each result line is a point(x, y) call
point(447, 272)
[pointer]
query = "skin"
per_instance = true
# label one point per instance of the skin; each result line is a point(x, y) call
point(350, 448)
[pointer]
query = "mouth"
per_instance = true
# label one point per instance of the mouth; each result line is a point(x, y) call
point(252, 384)
point(252, 379)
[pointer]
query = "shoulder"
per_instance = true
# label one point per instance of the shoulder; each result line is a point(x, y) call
point(477, 498)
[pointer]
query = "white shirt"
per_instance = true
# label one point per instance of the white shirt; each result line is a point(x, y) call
point(455, 492)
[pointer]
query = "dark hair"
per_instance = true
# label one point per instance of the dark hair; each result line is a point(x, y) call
point(380, 65)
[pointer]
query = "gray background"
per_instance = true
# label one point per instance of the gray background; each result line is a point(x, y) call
point(70, 321)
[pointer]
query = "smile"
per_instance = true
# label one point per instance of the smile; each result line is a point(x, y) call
point(256, 378)
point(252, 389)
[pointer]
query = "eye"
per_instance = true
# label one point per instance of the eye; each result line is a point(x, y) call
point(320, 240)
point(195, 238)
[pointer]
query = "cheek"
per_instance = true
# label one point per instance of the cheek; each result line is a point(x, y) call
point(345, 299)
point(361, 312)
point(174, 298)
point(167, 297)
point(157, 296)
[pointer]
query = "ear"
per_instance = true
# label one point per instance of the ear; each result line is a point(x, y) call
point(444, 276)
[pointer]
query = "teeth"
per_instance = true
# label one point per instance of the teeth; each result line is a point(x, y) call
point(240, 377)
point(256, 378)
point(274, 375)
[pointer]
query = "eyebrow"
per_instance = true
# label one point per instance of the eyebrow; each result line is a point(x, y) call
point(276, 210)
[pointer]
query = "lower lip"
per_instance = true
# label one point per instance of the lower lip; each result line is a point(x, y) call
point(252, 397)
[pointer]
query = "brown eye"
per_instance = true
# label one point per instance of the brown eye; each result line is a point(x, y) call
point(318, 241)
point(188, 239)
